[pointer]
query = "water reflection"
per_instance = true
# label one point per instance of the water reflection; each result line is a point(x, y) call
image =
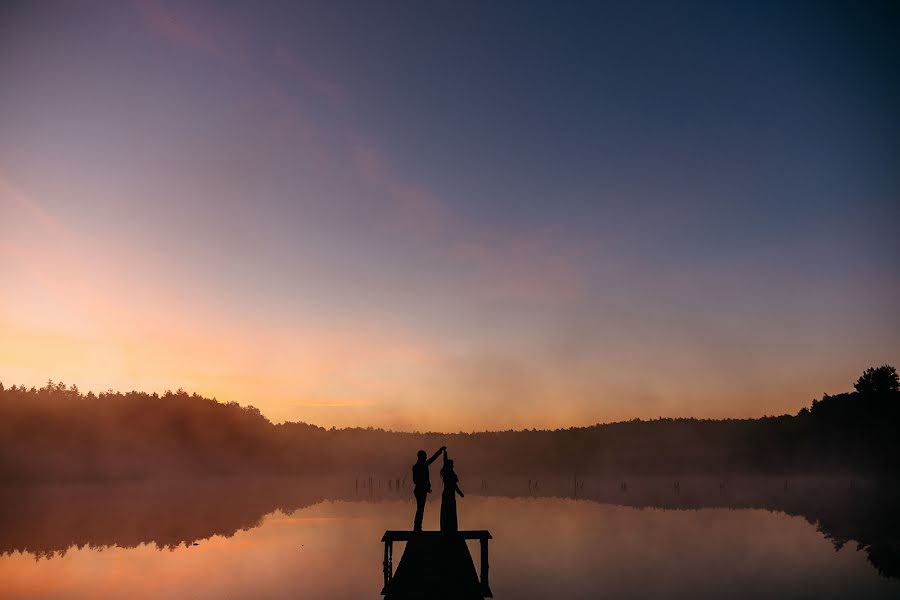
point(279, 538)
point(49, 519)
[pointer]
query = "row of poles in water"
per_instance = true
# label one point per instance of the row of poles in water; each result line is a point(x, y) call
point(370, 484)
point(396, 485)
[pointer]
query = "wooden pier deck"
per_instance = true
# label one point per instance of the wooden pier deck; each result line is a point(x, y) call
point(435, 565)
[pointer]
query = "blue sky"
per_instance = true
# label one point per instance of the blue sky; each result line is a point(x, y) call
point(452, 215)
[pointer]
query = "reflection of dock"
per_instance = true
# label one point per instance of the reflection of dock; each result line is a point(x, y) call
point(435, 565)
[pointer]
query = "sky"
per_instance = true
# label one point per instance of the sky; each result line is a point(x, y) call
point(452, 215)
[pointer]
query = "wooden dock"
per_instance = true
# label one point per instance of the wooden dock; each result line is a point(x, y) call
point(435, 565)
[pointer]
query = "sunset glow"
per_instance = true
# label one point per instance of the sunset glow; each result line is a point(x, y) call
point(304, 211)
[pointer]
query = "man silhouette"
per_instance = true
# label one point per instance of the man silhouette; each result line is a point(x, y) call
point(422, 483)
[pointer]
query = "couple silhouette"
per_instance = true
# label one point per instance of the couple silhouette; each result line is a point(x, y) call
point(422, 483)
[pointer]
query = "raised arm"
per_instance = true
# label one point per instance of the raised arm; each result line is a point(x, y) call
point(436, 454)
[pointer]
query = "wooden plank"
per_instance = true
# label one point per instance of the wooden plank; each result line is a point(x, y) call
point(394, 535)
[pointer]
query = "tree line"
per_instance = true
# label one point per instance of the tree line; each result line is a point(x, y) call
point(57, 433)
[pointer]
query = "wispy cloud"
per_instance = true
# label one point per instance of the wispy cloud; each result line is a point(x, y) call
point(537, 266)
point(310, 76)
point(530, 266)
point(411, 209)
point(181, 27)
point(11, 196)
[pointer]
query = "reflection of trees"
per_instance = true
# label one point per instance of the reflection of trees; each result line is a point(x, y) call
point(46, 520)
point(842, 509)
point(873, 522)
point(58, 434)
point(871, 519)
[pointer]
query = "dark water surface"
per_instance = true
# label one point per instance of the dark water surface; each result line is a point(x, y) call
point(280, 539)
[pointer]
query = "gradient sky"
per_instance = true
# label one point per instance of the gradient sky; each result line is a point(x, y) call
point(452, 215)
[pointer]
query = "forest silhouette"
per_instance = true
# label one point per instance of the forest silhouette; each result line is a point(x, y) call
point(56, 434)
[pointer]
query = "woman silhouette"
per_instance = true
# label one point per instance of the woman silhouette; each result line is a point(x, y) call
point(449, 524)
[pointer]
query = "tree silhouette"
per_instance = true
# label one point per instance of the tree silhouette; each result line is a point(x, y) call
point(58, 433)
point(877, 381)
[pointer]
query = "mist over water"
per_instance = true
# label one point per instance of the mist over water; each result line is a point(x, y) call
point(179, 496)
point(319, 538)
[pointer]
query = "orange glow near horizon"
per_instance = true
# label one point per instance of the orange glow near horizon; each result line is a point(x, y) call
point(232, 203)
point(119, 318)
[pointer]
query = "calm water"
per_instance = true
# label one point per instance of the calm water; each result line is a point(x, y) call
point(273, 540)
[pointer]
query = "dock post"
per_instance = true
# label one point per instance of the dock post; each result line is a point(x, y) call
point(484, 562)
point(388, 560)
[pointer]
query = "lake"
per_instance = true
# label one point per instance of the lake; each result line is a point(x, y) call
point(293, 539)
